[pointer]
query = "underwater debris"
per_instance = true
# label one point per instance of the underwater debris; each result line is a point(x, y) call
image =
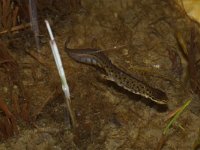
point(19, 106)
point(8, 14)
point(34, 21)
point(189, 52)
point(12, 15)
point(8, 124)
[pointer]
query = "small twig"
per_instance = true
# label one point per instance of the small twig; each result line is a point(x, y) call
point(161, 142)
point(16, 28)
point(34, 21)
point(172, 113)
point(38, 57)
point(15, 13)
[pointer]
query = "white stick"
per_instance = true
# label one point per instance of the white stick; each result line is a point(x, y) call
point(61, 72)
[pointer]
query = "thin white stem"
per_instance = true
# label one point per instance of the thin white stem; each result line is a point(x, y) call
point(61, 72)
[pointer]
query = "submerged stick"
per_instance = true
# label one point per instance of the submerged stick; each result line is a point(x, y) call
point(65, 86)
point(16, 28)
point(34, 22)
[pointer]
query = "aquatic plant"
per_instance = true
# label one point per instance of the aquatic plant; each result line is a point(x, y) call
point(176, 115)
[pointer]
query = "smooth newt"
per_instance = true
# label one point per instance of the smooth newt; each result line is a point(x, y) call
point(113, 73)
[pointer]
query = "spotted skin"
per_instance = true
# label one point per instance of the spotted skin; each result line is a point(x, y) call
point(113, 73)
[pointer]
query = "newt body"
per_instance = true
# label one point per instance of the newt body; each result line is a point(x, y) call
point(113, 73)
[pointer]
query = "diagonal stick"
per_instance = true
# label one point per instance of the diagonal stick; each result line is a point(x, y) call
point(61, 72)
